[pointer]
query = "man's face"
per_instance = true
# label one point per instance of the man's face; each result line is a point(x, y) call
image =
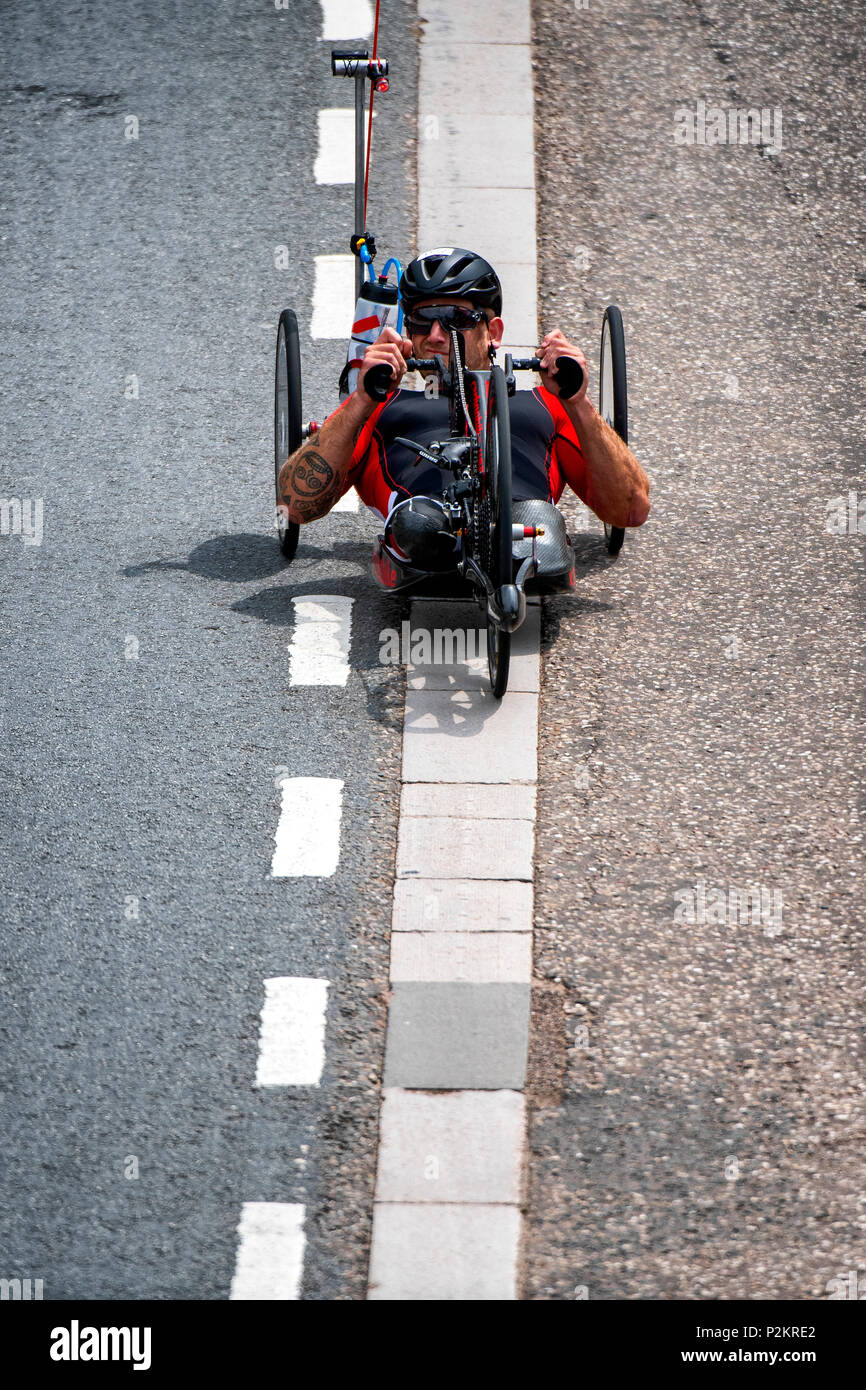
point(436, 340)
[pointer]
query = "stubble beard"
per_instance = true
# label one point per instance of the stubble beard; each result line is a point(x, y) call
point(477, 356)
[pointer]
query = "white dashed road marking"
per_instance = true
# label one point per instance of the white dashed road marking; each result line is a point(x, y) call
point(346, 19)
point(319, 649)
point(347, 503)
point(335, 157)
point(333, 296)
point(270, 1258)
point(292, 1039)
point(308, 834)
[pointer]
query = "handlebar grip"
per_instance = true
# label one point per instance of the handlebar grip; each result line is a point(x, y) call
point(569, 377)
point(377, 381)
point(569, 373)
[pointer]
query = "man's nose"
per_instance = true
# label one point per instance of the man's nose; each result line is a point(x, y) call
point(437, 332)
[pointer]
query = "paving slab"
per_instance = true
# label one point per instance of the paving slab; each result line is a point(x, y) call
point(467, 24)
point(445, 1037)
point(467, 736)
point(519, 307)
point(523, 676)
point(501, 221)
point(476, 905)
point(501, 83)
point(482, 957)
point(450, 847)
point(471, 673)
point(442, 1251)
point(444, 139)
point(465, 1146)
point(491, 800)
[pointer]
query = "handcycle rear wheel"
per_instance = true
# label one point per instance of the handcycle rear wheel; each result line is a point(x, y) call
point(287, 419)
point(500, 550)
point(613, 396)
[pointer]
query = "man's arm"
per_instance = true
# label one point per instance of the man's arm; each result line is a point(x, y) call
point(313, 477)
point(617, 489)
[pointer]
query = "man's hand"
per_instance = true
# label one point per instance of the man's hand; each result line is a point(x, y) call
point(555, 345)
point(391, 349)
point(613, 485)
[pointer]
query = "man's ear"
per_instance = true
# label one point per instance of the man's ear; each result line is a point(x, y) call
point(496, 328)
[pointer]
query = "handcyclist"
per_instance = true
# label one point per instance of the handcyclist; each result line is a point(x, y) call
point(554, 441)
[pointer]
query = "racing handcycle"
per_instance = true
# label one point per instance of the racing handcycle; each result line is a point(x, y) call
point(493, 542)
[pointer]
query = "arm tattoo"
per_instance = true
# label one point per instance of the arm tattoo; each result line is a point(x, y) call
point(306, 511)
point(313, 476)
point(313, 487)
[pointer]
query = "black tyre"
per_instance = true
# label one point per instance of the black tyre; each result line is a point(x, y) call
point(613, 396)
point(287, 418)
point(500, 550)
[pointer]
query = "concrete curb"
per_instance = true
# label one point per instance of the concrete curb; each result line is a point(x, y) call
point(447, 1211)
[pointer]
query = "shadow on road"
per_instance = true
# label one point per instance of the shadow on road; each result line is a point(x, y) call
point(245, 556)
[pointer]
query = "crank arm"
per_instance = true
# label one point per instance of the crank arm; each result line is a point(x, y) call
point(506, 606)
point(481, 579)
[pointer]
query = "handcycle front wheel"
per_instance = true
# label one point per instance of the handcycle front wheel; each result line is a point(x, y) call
point(287, 419)
point(613, 396)
point(499, 550)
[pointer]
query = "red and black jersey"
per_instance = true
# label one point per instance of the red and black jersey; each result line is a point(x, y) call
point(545, 452)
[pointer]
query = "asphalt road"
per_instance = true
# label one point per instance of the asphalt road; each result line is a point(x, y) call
point(145, 682)
point(697, 1086)
point(698, 1128)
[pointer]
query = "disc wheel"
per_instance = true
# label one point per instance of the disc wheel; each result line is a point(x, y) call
point(497, 547)
point(613, 396)
point(287, 419)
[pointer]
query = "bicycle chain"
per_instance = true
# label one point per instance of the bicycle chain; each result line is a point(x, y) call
point(481, 529)
point(482, 538)
point(487, 544)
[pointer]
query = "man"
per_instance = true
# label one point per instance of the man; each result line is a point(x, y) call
point(554, 441)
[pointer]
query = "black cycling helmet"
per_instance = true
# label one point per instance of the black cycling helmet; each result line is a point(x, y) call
point(451, 270)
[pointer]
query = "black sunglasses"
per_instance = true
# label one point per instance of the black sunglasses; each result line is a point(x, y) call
point(448, 315)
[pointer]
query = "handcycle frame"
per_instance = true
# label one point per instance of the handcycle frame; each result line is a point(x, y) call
point(477, 503)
